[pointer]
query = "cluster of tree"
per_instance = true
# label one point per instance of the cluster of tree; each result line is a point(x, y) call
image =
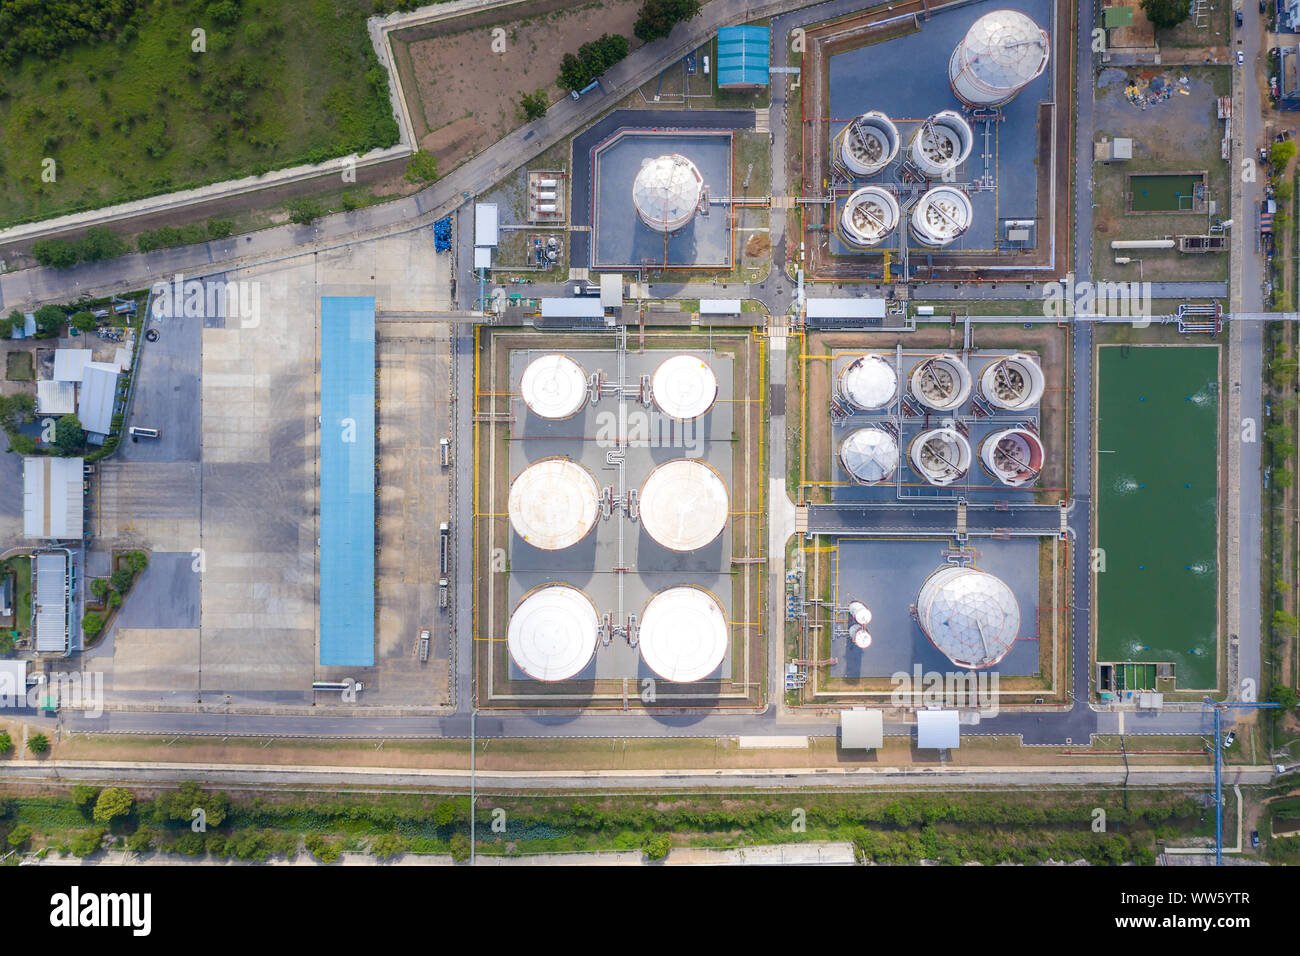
point(422, 167)
point(1166, 14)
point(658, 17)
point(534, 105)
point(111, 590)
point(593, 59)
point(992, 848)
point(165, 236)
point(303, 211)
point(45, 27)
point(98, 243)
point(16, 410)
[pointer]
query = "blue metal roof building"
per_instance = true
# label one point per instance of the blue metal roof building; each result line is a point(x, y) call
point(743, 57)
point(347, 482)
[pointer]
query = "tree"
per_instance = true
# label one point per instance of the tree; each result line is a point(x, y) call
point(386, 845)
point(303, 211)
point(55, 253)
point(84, 797)
point(534, 105)
point(6, 742)
point(115, 599)
point(1282, 477)
point(656, 846)
point(99, 243)
point(49, 321)
point(69, 436)
point(444, 813)
point(22, 444)
point(592, 59)
point(83, 321)
point(138, 561)
point(20, 835)
point(459, 844)
point(658, 17)
point(99, 587)
point(1286, 696)
point(1166, 14)
point(140, 841)
point(87, 842)
point(11, 321)
point(92, 624)
point(38, 743)
point(180, 806)
point(122, 579)
point(1279, 154)
point(113, 803)
point(422, 167)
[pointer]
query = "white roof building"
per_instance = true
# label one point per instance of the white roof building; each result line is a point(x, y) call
point(52, 498)
point(485, 224)
point(69, 364)
point(98, 396)
point(611, 290)
point(56, 398)
point(862, 729)
point(857, 307)
point(937, 730)
point(50, 602)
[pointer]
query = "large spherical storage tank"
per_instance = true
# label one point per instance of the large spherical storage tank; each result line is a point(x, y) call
point(1014, 456)
point(942, 143)
point(870, 382)
point(683, 635)
point(869, 216)
point(969, 615)
point(667, 192)
point(940, 455)
point(684, 387)
point(869, 455)
point(1015, 382)
point(941, 216)
point(553, 632)
point(870, 143)
point(553, 503)
point(684, 504)
point(1001, 54)
point(553, 386)
point(941, 382)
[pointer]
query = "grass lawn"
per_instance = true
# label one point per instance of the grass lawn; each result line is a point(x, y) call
point(22, 566)
point(291, 81)
point(19, 367)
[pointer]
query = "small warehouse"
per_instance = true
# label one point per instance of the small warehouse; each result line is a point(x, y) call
point(743, 57)
point(861, 729)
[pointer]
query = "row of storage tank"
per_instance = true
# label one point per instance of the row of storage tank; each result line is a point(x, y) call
point(943, 382)
point(941, 456)
point(555, 387)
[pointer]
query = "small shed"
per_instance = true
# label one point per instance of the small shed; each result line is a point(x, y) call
point(13, 683)
point(937, 730)
point(485, 224)
point(743, 57)
point(611, 290)
point(861, 729)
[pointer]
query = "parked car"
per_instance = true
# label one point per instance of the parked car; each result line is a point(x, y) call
point(1241, 58)
point(1254, 838)
point(1229, 740)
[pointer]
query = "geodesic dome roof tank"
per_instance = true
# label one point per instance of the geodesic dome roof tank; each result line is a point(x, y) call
point(968, 615)
point(1001, 54)
point(1014, 456)
point(684, 387)
point(869, 383)
point(941, 144)
point(869, 455)
point(683, 634)
point(870, 143)
point(941, 382)
point(869, 215)
point(553, 632)
point(941, 216)
point(553, 503)
point(684, 504)
point(1014, 382)
point(940, 455)
point(667, 192)
point(553, 386)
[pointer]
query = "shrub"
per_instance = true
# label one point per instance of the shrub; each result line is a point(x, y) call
point(460, 848)
point(115, 599)
point(122, 578)
point(534, 105)
point(327, 851)
point(83, 321)
point(387, 844)
point(6, 742)
point(422, 167)
point(38, 743)
point(92, 624)
point(141, 841)
point(84, 797)
point(87, 842)
point(1166, 14)
point(19, 835)
point(138, 561)
point(303, 211)
point(113, 803)
point(99, 587)
point(656, 847)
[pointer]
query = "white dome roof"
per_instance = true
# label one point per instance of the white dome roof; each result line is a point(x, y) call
point(683, 634)
point(684, 387)
point(667, 192)
point(869, 383)
point(1002, 52)
point(684, 504)
point(969, 615)
point(553, 632)
point(869, 455)
point(553, 386)
point(553, 503)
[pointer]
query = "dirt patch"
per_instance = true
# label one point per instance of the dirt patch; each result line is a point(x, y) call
point(758, 245)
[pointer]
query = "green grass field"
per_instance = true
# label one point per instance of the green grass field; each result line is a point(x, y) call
point(1157, 494)
point(290, 81)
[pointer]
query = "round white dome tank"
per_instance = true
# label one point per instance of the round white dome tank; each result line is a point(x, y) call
point(553, 632)
point(869, 216)
point(941, 382)
point(1014, 383)
point(553, 386)
point(553, 503)
point(683, 634)
point(941, 455)
point(869, 455)
point(684, 387)
point(667, 192)
point(870, 382)
point(1013, 456)
point(861, 637)
point(870, 143)
point(941, 216)
point(969, 615)
point(942, 143)
point(1001, 54)
point(684, 504)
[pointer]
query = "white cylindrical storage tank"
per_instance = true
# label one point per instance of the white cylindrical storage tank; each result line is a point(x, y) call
point(546, 207)
point(684, 387)
point(860, 613)
point(553, 632)
point(1014, 383)
point(683, 635)
point(1001, 54)
point(870, 143)
point(1014, 456)
point(869, 455)
point(546, 196)
point(861, 637)
point(941, 382)
point(553, 503)
point(554, 386)
point(941, 216)
point(940, 455)
point(970, 616)
point(869, 216)
point(667, 192)
point(942, 143)
point(684, 504)
point(870, 382)
point(547, 183)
